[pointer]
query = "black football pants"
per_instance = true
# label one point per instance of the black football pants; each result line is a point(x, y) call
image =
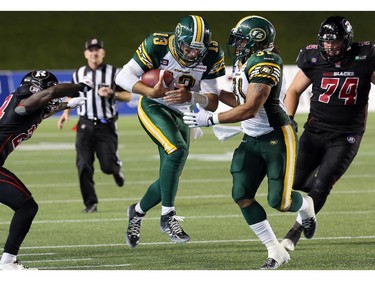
point(322, 159)
point(14, 194)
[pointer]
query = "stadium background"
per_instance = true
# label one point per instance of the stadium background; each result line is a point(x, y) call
point(54, 40)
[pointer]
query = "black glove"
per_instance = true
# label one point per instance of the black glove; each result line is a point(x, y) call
point(294, 123)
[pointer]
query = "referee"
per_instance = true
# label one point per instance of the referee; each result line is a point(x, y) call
point(97, 127)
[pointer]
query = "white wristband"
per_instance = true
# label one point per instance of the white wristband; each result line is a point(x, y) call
point(215, 118)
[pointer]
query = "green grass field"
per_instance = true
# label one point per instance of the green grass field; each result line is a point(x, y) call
point(64, 238)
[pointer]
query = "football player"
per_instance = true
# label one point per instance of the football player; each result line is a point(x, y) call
point(196, 62)
point(268, 147)
point(341, 73)
point(37, 98)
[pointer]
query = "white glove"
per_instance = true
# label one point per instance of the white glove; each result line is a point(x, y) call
point(76, 102)
point(86, 81)
point(202, 118)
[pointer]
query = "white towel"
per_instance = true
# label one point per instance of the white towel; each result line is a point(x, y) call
point(222, 133)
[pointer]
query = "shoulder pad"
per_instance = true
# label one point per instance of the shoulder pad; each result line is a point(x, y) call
point(267, 57)
point(308, 55)
point(363, 50)
point(27, 90)
point(214, 60)
point(311, 47)
point(151, 50)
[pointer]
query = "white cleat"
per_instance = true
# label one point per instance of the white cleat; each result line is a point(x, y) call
point(276, 259)
point(15, 265)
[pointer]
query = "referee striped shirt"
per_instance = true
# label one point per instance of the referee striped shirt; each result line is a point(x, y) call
point(95, 106)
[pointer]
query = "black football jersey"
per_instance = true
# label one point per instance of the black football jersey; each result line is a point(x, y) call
point(340, 90)
point(15, 128)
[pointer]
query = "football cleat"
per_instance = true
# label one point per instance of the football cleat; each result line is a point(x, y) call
point(309, 227)
point(133, 232)
point(15, 265)
point(119, 179)
point(270, 264)
point(308, 219)
point(169, 225)
point(276, 259)
point(91, 209)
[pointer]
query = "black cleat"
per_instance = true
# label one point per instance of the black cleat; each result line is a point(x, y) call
point(309, 227)
point(169, 225)
point(133, 232)
point(308, 219)
point(270, 264)
point(119, 178)
point(91, 209)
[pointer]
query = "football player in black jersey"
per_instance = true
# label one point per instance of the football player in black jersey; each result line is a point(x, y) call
point(37, 98)
point(341, 73)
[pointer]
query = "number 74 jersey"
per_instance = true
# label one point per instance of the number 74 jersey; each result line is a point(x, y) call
point(340, 90)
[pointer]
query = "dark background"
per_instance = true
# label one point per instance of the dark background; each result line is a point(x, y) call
point(55, 39)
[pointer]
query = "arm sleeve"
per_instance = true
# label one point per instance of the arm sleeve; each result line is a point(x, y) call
point(129, 75)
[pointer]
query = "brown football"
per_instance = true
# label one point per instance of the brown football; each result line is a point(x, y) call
point(151, 77)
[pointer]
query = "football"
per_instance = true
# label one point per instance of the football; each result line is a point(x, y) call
point(151, 77)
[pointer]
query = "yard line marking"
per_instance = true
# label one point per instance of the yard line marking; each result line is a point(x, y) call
point(280, 214)
point(140, 182)
point(148, 182)
point(127, 199)
point(62, 260)
point(190, 242)
point(39, 254)
point(86, 266)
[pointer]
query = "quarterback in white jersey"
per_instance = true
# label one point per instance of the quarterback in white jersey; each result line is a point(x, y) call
point(196, 62)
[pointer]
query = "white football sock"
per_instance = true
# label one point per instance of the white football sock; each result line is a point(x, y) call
point(138, 209)
point(7, 258)
point(265, 233)
point(166, 210)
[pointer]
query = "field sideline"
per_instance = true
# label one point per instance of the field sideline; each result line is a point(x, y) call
point(65, 239)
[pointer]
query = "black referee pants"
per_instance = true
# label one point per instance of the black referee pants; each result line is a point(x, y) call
point(95, 138)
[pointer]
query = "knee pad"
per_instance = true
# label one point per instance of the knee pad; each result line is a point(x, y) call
point(178, 156)
point(320, 188)
point(319, 193)
point(29, 208)
point(274, 201)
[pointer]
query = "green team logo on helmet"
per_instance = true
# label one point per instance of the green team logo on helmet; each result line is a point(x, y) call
point(258, 34)
point(192, 31)
point(250, 35)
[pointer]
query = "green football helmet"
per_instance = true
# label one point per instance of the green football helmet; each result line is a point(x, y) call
point(250, 35)
point(193, 32)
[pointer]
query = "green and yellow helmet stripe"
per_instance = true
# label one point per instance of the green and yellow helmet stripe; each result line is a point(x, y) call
point(198, 30)
point(241, 21)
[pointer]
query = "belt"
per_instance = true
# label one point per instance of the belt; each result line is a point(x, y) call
point(97, 120)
